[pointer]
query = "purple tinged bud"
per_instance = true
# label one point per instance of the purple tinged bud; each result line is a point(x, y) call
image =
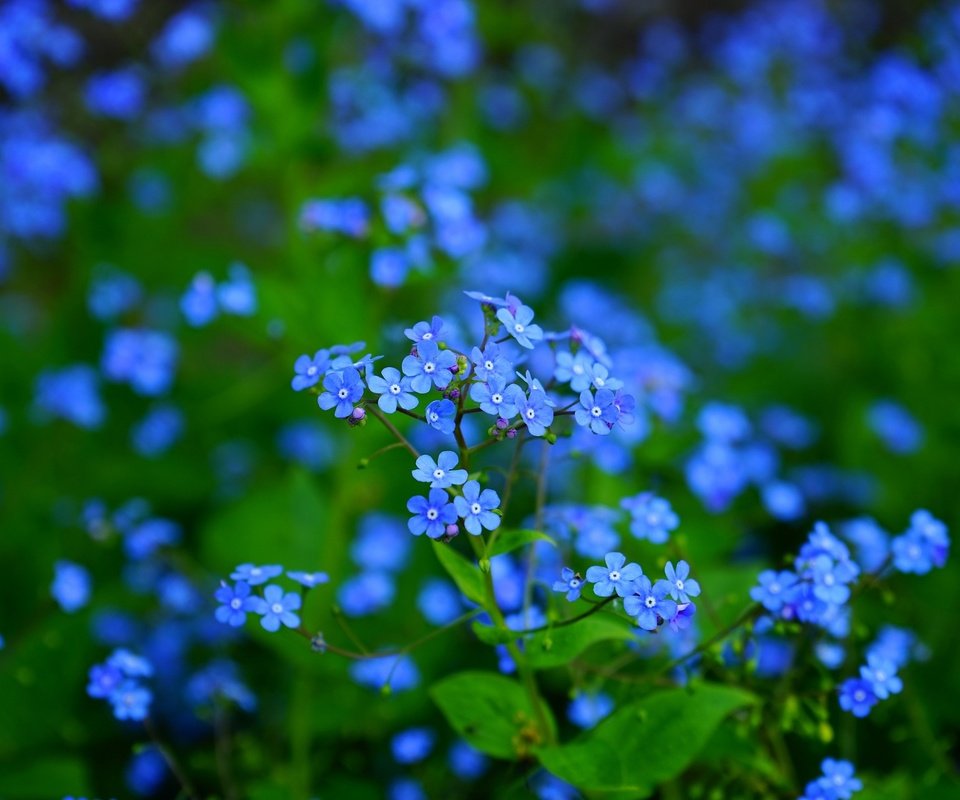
point(502, 423)
point(453, 394)
point(359, 413)
point(512, 433)
point(452, 530)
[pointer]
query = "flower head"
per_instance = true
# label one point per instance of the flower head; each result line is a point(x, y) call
point(394, 390)
point(431, 514)
point(429, 366)
point(440, 415)
point(650, 603)
point(682, 587)
point(618, 576)
point(857, 696)
point(570, 582)
point(426, 331)
point(255, 575)
point(517, 322)
point(495, 397)
point(277, 608)
point(476, 508)
point(597, 412)
point(535, 410)
point(343, 391)
point(442, 473)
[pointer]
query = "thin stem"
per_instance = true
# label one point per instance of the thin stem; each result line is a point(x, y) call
point(411, 414)
point(345, 627)
point(373, 410)
point(564, 622)
point(171, 760)
point(385, 449)
point(749, 614)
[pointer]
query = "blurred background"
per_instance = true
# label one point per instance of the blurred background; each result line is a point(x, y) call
point(753, 204)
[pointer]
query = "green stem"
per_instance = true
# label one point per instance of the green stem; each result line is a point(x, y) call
point(374, 411)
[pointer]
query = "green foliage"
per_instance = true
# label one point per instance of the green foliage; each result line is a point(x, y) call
point(558, 646)
point(491, 712)
point(647, 741)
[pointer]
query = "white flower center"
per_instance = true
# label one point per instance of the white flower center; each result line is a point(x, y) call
point(828, 579)
point(496, 398)
point(650, 602)
point(774, 588)
point(395, 388)
point(518, 328)
point(596, 411)
point(859, 695)
point(429, 367)
point(236, 603)
point(427, 336)
point(574, 583)
point(679, 584)
point(488, 365)
point(880, 677)
point(475, 508)
point(342, 394)
point(577, 369)
point(277, 608)
point(432, 514)
point(439, 474)
point(615, 575)
point(311, 370)
point(598, 382)
point(531, 413)
point(255, 572)
point(434, 416)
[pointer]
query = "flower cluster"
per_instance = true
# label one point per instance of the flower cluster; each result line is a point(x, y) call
point(650, 603)
point(274, 606)
point(118, 680)
point(816, 591)
point(878, 679)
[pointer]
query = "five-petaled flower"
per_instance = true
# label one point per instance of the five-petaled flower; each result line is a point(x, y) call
point(431, 514)
point(517, 323)
point(430, 366)
point(394, 390)
point(236, 602)
point(442, 473)
point(682, 586)
point(277, 608)
point(570, 582)
point(535, 410)
point(343, 391)
point(476, 508)
point(441, 415)
point(618, 576)
point(596, 411)
point(308, 371)
point(255, 575)
point(649, 603)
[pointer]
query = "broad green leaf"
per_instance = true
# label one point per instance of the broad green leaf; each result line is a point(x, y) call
point(490, 711)
point(509, 540)
point(558, 646)
point(594, 763)
point(488, 634)
point(464, 574)
point(655, 738)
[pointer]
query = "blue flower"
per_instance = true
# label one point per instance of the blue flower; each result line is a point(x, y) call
point(130, 664)
point(489, 362)
point(495, 397)
point(413, 745)
point(476, 508)
point(130, 700)
point(587, 709)
point(309, 370)
point(465, 761)
point(574, 369)
point(442, 473)
point(570, 582)
point(649, 602)
point(394, 390)
point(600, 378)
point(838, 781)
point(881, 674)
point(440, 415)
point(682, 587)
point(277, 608)
point(534, 410)
point(237, 295)
point(199, 302)
point(309, 579)
point(255, 575)
point(426, 331)
point(431, 514)
point(651, 517)
point(857, 696)
point(924, 546)
point(104, 679)
point(343, 390)
point(830, 580)
point(517, 323)
point(618, 576)
point(430, 366)
point(71, 586)
point(236, 603)
point(597, 412)
point(774, 589)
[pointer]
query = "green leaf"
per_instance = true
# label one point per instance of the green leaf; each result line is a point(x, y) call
point(594, 763)
point(464, 574)
point(655, 739)
point(559, 646)
point(490, 711)
point(509, 540)
point(489, 634)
